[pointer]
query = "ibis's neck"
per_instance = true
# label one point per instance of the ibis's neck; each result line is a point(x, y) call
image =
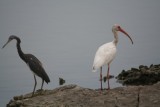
point(115, 41)
point(21, 54)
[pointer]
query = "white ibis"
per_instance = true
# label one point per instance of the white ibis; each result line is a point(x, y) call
point(106, 53)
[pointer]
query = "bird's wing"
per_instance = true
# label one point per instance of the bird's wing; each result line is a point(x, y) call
point(30, 56)
point(36, 66)
point(104, 55)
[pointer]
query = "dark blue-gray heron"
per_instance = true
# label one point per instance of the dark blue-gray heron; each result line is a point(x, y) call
point(33, 63)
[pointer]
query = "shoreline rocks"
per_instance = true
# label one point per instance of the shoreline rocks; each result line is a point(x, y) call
point(76, 96)
point(143, 75)
point(146, 93)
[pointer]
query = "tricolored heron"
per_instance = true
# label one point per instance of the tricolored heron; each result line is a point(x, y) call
point(33, 63)
point(106, 53)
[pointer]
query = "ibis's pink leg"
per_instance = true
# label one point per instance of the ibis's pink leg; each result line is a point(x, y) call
point(108, 77)
point(101, 77)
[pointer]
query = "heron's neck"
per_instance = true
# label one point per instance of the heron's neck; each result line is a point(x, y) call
point(21, 54)
point(115, 41)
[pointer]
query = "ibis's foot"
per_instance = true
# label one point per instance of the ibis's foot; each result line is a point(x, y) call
point(99, 89)
point(107, 88)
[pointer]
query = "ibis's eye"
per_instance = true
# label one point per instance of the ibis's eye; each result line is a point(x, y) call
point(119, 27)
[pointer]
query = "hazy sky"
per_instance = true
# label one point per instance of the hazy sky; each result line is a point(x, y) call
point(65, 34)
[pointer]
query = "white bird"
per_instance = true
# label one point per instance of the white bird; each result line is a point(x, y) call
point(106, 53)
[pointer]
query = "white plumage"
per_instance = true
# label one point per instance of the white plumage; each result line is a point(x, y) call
point(104, 55)
point(107, 52)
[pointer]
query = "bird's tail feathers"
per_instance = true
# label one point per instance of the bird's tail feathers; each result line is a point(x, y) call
point(94, 69)
point(46, 78)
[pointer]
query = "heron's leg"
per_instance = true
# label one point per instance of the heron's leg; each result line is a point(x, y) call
point(101, 77)
point(108, 76)
point(34, 85)
point(42, 84)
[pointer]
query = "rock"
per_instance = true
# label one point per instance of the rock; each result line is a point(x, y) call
point(76, 96)
point(142, 76)
point(135, 69)
point(105, 78)
point(18, 97)
point(61, 81)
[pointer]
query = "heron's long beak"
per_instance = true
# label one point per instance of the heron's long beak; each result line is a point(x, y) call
point(126, 34)
point(6, 43)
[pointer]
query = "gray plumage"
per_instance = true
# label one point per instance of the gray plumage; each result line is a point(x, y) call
point(33, 63)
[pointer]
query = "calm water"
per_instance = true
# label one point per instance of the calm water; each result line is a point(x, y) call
point(64, 36)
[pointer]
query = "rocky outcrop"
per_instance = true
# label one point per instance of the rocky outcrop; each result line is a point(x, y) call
point(75, 96)
point(143, 75)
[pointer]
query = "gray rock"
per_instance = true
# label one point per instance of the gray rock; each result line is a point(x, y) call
point(75, 96)
point(142, 76)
